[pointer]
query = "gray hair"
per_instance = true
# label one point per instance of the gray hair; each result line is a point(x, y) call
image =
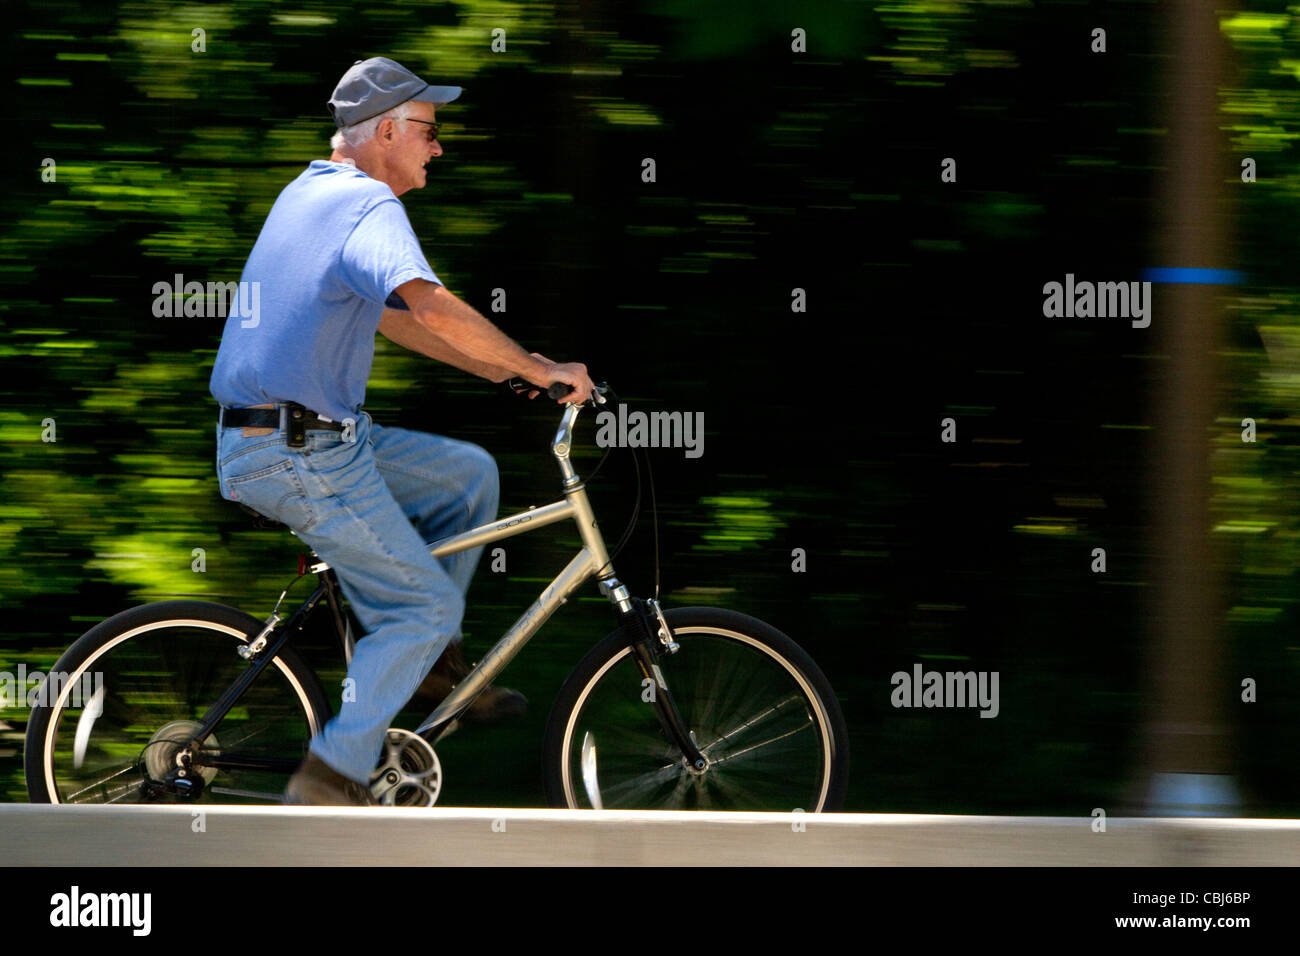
point(361, 132)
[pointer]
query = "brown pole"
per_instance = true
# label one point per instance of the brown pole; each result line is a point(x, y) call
point(1187, 733)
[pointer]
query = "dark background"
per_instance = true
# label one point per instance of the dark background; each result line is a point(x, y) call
point(775, 170)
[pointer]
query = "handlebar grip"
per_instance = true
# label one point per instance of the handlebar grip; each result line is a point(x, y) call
point(556, 391)
point(522, 386)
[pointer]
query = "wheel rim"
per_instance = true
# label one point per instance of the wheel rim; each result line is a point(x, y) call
point(757, 720)
point(162, 675)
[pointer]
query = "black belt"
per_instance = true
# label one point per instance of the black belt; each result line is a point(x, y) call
point(298, 418)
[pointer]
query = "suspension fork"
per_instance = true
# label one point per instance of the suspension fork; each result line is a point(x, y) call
point(647, 624)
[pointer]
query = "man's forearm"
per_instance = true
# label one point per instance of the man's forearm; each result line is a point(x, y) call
point(403, 328)
point(469, 333)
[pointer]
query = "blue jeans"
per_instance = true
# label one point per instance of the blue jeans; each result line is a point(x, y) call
point(368, 506)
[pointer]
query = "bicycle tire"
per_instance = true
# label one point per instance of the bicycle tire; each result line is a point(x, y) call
point(133, 634)
point(763, 658)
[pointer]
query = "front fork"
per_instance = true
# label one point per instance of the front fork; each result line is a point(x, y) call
point(652, 634)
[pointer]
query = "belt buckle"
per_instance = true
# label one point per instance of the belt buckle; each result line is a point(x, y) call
point(292, 417)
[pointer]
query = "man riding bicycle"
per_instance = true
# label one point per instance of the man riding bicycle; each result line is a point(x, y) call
point(337, 260)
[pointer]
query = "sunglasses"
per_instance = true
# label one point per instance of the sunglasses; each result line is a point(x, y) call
point(433, 133)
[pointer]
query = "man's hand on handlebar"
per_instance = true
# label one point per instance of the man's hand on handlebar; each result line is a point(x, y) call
point(573, 374)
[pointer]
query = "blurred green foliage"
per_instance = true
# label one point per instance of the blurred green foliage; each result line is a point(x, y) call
point(776, 170)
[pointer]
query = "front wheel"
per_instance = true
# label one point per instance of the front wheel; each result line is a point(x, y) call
point(755, 703)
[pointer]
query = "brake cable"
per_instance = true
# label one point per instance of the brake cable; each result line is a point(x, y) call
point(517, 386)
point(636, 508)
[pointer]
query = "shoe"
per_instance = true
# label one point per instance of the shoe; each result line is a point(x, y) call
point(316, 784)
point(495, 703)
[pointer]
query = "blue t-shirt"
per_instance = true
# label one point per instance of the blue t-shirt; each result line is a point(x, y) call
point(334, 248)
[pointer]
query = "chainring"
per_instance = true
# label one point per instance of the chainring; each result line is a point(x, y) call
point(409, 774)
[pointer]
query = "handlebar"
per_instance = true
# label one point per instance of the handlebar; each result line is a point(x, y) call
point(563, 441)
point(556, 391)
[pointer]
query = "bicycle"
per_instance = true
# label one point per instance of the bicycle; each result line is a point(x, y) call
point(684, 708)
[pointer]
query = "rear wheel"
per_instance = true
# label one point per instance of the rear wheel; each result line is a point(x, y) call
point(756, 704)
point(133, 690)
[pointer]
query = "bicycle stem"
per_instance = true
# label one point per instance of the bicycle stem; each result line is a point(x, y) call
point(563, 443)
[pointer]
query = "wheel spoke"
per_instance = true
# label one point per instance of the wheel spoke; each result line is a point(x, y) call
point(100, 783)
point(125, 790)
point(766, 738)
point(636, 785)
point(753, 747)
point(227, 744)
point(159, 678)
point(752, 721)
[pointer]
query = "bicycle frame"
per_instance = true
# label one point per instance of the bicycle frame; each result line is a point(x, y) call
point(591, 561)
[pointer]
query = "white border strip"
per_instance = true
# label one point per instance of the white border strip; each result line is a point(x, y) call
point(43, 835)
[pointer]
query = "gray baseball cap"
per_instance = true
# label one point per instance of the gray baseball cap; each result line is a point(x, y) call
point(376, 85)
